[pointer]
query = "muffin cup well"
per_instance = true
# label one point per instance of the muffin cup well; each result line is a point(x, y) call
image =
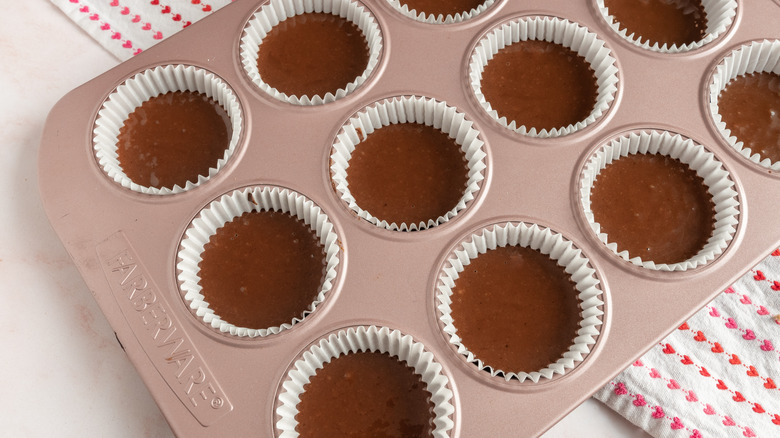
point(555, 30)
point(755, 57)
point(441, 18)
point(366, 339)
point(229, 207)
point(411, 109)
point(150, 83)
point(704, 163)
point(277, 11)
point(720, 15)
point(549, 243)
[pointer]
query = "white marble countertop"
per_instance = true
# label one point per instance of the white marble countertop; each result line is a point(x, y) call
point(62, 370)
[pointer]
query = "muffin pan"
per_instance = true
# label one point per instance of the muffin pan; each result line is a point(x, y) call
point(387, 286)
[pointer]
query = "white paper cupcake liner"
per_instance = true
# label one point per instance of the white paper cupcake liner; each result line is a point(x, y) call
point(229, 207)
point(755, 57)
point(411, 109)
point(548, 243)
point(277, 11)
point(720, 15)
point(571, 35)
point(716, 178)
point(144, 86)
point(441, 18)
point(366, 339)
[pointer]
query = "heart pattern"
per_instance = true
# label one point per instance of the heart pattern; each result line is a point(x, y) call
point(722, 386)
point(775, 285)
point(700, 337)
point(759, 276)
point(767, 345)
point(122, 27)
point(762, 310)
point(730, 323)
point(738, 397)
point(748, 432)
point(658, 412)
point(639, 400)
point(727, 421)
point(709, 410)
point(677, 424)
point(749, 335)
point(620, 389)
point(752, 371)
point(745, 300)
point(716, 348)
point(770, 384)
point(696, 434)
point(735, 360)
point(673, 384)
point(691, 397)
point(668, 349)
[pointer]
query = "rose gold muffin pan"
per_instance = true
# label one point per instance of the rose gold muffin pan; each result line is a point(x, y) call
point(388, 283)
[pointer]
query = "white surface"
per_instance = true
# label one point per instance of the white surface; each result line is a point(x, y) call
point(63, 373)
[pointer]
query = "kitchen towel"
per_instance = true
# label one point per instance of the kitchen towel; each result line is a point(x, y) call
point(128, 27)
point(717, 375)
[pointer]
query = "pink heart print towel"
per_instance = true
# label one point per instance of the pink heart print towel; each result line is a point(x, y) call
point(718, 374)
point(128, 27)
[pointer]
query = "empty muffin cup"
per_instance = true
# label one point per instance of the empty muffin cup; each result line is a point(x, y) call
point(497, 312)
point(361, 339)
point(407, 181)
point(310, 53)
point(594, 75)
point(223, 241)
point(153, 159)
point(666, 26)
point(665, 211)
point(748, 79)
point(433, 12)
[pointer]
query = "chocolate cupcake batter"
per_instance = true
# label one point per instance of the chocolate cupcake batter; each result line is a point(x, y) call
point(312, 54)
point(262, 269)
point(365, 395)
point(653, 206)
point(442, 7)
point(407, 173)
point(661, 21)
point(540, 84)
point(172, 138)
point(750, 108)
point(515, 309)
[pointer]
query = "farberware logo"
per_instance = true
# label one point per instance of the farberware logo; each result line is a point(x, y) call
point(159, 332)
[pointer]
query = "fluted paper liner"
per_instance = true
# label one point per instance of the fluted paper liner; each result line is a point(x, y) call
point(720, 14)
point(704, 163)
point(549, 243)
point(441, 18)
point(277, 11)
point(366, 339)
point(411, 109)
point(229, 207)
point(144, 86)
point(556, 30)
point(755, 57)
